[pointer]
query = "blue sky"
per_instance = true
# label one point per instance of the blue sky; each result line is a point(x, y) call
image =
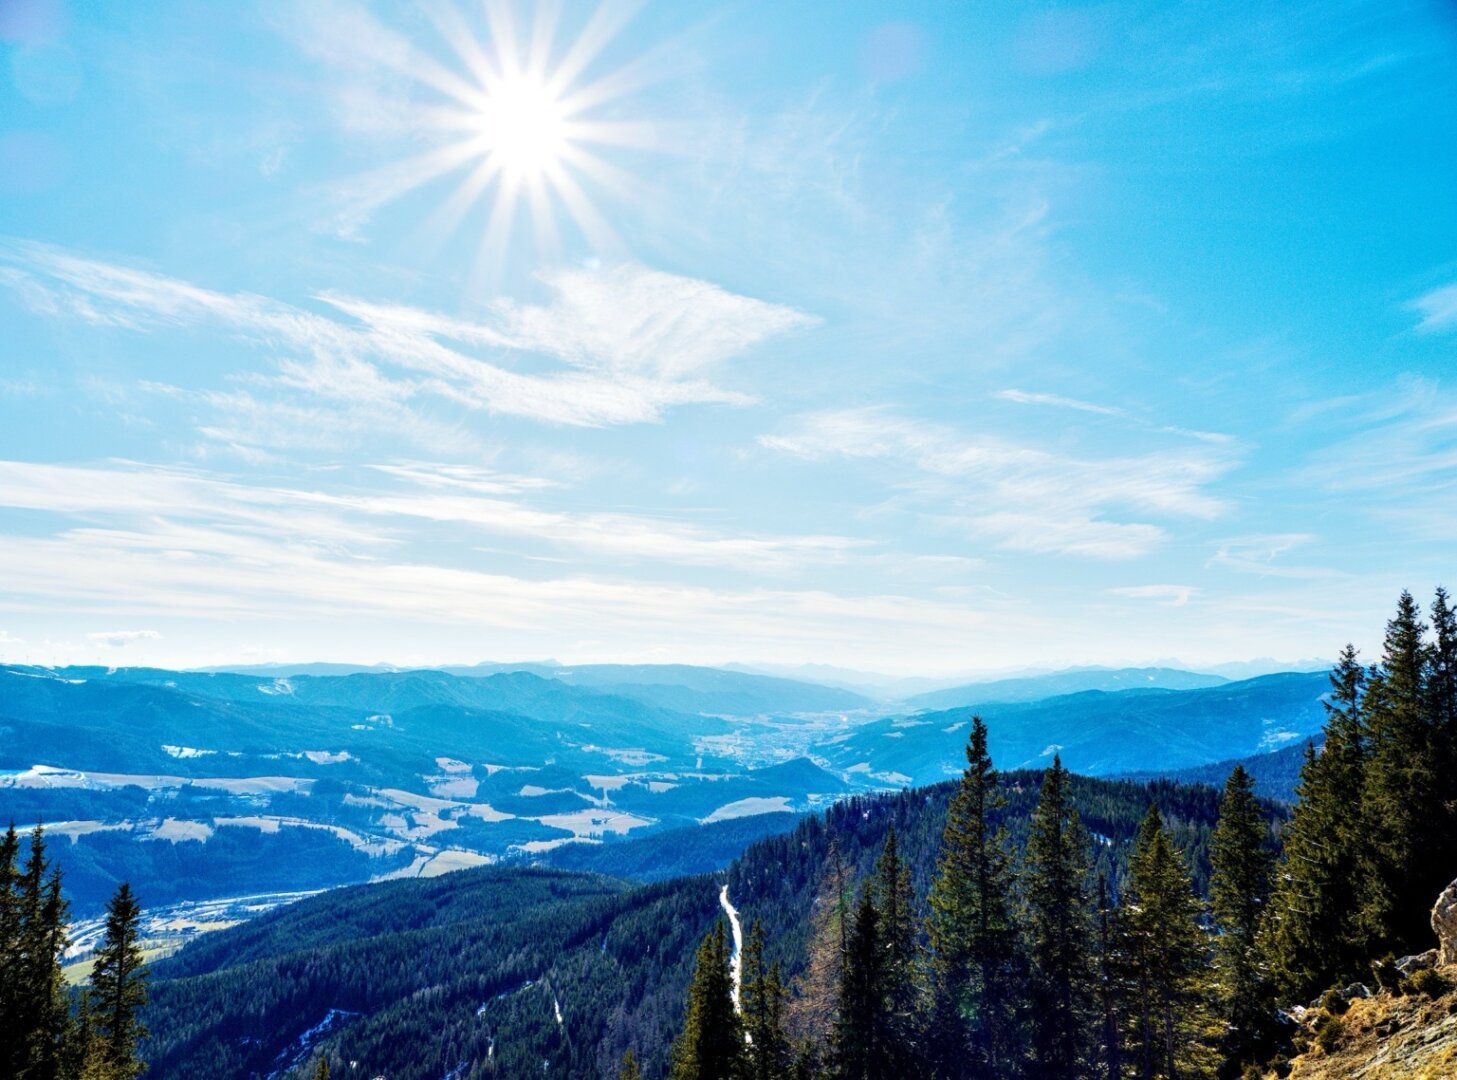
point(979, 336)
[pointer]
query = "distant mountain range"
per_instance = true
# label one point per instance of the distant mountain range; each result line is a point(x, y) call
point(1276, 774)
point(1073, 681)
point(1098, 733)
point(204, 785)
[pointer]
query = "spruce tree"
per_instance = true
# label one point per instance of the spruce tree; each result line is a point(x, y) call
point(975, 982)
point(1110, 987)
point(12, 1042)
point(1165, 953)
point(1058, 931)
point(628, 1069)
point(895, 901)
point(1312, 936)
point(861, 1048)
point(711, 1046)
point(1239, 889)
point(1402, 801)
point(118, 986)
point(321, 1070)
point(763, 996)
point(1442, 720)
point(81, 1057)
point(41, 1019)
point(1442, 667)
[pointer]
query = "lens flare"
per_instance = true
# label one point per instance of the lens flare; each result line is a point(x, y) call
point(519, 119)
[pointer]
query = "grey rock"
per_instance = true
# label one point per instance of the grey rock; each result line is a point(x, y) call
point(1444, 922)
point(1409, 965)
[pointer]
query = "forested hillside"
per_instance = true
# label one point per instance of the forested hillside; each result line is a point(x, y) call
point(416, 978)
point(1040, 962)
point(1276, 774)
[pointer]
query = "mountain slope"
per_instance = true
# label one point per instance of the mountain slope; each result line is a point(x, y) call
point(1275, 774)
point(417, 979)
point(1057, 683)
point(198, 786)
point(1097, 733)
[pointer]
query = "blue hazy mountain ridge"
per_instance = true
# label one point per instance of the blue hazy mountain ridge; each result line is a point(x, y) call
point(121, 722)
point(678, 686)
point(1098, 733)
point(1072, 681)
point(1276, 774)
point(715, 690)
point(197, 785)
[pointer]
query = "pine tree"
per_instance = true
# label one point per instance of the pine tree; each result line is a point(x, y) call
point(763, 996)
point(1165, 953)
point(41, 1018)
point(1442, 718)
point(1058, 931)
point(808, 1062)
point(81, 1058)
point(711, 1046)
point(321, 1070)
point(12, 1043)
point(1108, 961)
point(1402, 791)
point(862, 1041)
point(1312, 937)
point(1239, 890)
point(628, 1069)
point(975, 982)
point(118, 987)
point(895, 901)
point(1442, 666)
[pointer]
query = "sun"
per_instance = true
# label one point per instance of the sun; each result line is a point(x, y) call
point(525, 128)
point(521, 122)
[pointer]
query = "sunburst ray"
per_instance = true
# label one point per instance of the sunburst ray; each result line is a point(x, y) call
point(513, 110)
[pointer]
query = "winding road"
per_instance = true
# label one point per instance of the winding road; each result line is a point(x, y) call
point(736, 962)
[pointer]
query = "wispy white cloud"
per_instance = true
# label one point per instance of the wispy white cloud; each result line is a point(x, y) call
point(183, 571)
point(1024, 397)
point(1437, 308)
point(1023, 498)
point(1262, 554)
point(370, 522)
point(1171, 595)
point(120, 639)
point(1402, 444)
point(615, 345)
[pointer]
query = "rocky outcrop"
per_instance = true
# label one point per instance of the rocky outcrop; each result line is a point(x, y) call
point(1386, 1038)
point(1402, 1033)
point(1410, 965)
point(1444, 922)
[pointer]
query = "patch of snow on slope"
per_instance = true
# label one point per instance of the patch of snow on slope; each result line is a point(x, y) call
point(757, 804)
point(185, 752)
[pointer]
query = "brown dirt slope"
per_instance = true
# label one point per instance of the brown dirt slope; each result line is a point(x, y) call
point(1386, 1037)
